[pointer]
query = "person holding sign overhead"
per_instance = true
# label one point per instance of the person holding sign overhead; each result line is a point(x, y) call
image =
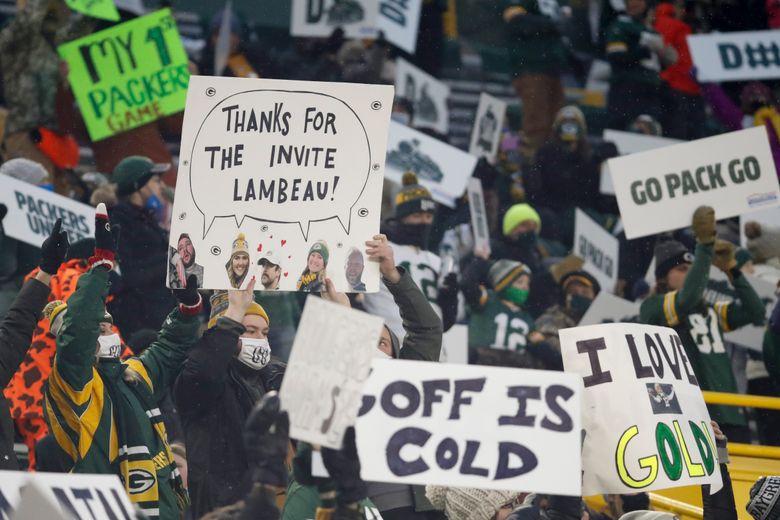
point(678, 303)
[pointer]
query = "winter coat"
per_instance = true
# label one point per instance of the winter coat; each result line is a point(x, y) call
point(422, 343)
point(15, 332)
point(143, 301)
point(675, 33)
point(214, 395)
point(104, 423)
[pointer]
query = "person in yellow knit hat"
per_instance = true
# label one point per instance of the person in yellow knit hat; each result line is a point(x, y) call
point(238, 265)
point(227, 371)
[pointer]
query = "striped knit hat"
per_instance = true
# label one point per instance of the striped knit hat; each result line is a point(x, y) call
point(503, 272)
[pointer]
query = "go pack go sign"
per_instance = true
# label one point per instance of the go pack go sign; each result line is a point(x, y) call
point(128, 75)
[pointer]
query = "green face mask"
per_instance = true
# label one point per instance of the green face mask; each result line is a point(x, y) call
point(578, 305)
point(515, 295)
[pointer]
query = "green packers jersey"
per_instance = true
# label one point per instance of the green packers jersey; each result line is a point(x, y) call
point(496, 325)
point(702, 336)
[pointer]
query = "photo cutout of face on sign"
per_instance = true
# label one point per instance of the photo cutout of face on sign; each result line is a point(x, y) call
point(276, 180)
point(182, 265)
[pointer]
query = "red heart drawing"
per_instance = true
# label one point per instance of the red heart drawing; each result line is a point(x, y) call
point(259, 248)
point(285, 274)
point(284, 242)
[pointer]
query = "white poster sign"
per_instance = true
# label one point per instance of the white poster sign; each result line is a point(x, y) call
point(279, 178)
point(441, 168)
point(645, 410)
point(399, 20)
point(329, 362)
point(32, 212)
point(608, 308)
point(658, 190)
point(719, 289)
point(488, 122)
point(628, 143)
point(598, 248)
point(455, 345)
point(319, 18)
point(428, 95)
point(736, 56)
point(479, 224)
point(102, 497)
point(470, 426)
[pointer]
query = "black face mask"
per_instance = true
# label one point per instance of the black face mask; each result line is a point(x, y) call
point(412, 234)
point(526, 240)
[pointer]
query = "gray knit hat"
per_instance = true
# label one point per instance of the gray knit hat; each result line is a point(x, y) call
point(468, 503)
point(669, 254)
point(503, 272)
point(764, 499)
point(648, 515)
point(24, 170)
point(766, 245)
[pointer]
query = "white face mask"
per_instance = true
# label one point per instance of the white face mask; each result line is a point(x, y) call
point(109, 347)
point(255, 353)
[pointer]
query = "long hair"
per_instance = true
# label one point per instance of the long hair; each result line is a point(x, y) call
point(235, 280)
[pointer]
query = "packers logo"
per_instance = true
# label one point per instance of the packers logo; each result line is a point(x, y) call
point(140, 481)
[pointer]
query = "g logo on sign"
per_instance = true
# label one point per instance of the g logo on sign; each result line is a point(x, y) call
point(140, 481)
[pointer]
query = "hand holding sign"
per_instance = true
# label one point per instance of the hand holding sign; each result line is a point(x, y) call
point(380, 251)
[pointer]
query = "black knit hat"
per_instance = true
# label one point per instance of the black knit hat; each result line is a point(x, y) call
point(764, 501)
point(413, 197)
point(669, 254)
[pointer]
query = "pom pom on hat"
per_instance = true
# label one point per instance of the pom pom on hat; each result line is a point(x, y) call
point(240, 246)
point(413, 197)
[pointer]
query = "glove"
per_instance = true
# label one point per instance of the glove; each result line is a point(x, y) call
point(54, 248)
point(266, 436)
point(189, 296)
point(344, 468)
point(724, 257)
point(105, 240)
point(449, 286)
point(3, 211)
point(704, 225)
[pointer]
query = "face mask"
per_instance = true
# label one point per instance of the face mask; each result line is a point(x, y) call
point(515, 295)
point(577, 305)
point(412, 235)
point(400, 117)
point(255, 353)
point(527, 240)
point(569, 131)
point(109, 347)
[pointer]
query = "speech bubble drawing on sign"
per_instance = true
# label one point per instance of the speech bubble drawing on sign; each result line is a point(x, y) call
point(288, 163)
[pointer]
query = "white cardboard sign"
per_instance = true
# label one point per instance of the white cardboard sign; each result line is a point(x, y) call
point(428, 95)
point(400, 20)
point(645, 410)
point(736, 56)
point(278, 170)
point(598, 248)
point(319, 18)
point(470, 426)
point(455, 345)
point(479, 225)
point(102, 497)
point(658, 190)
point(329, 362)
point(628, 143)
point(488, 122)
point(32, 212)
point(441, 168)
point(608, 308)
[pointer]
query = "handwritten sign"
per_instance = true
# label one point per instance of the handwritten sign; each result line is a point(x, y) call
point(128, 75)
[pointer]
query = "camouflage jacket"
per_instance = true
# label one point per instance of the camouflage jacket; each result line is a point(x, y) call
point(553, 320)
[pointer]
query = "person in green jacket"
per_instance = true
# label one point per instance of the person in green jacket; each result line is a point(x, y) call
point(678, 303)
point(102, 411)
point(537, 57)
point(636, 54)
